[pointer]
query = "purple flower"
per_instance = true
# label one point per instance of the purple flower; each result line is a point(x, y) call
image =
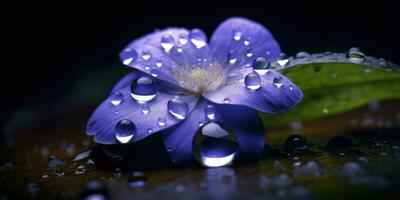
point(202, 97)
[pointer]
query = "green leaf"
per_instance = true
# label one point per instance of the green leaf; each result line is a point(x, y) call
point(332, 84)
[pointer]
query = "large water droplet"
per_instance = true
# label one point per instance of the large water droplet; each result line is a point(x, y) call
point(116, 98)
point(146, 55)
point(278, 81)
point(143, 89)
point(355, 55)
point(137, 179)
point(295, 143)
point(125, 130)
point(261, 65)
point(210, 111)
point(215, 145)
point(178, 108)
point(128, 56)
point(198, 38)
point(167, 42)
point(252, 81)
point(283, 60)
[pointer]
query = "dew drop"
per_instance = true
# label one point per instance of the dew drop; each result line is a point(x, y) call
point(178, 108)
point(198, 38)
point(278, 81)
point(125, 130)
point(215, 145)
point(143, 89)
point(249, 52)
point(261, 65)
point(227, 100)
point(146, 55)
point(137, 179)
point(237, 35)
point(302, 55)
point(246, 42)
point(159, 64)
point(116, 98)
point(162, 121)
point(252, 81)
point(145, 108)
point(232, 57)
point(167, 42)
point(210, 111)
point(283, 60)
point(355, 55)
point(128, 56)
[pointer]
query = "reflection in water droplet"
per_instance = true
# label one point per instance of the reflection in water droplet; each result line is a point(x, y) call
point(278, 81)
point(143, 89)
point(295, 143)
point(198, 38)
point(355, 55)
point(125, 130)
point(167, 42)
point(137, 179)
point(146, 55)
point(210, 111)
point(252, 81)
point(116, 98)
point(178, 108)
point(128, 56)
point(215, 145)
point(261, 65)
point(283, 60)
point(95, 190)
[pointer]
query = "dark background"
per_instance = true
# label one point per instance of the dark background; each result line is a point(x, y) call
point(51, 46)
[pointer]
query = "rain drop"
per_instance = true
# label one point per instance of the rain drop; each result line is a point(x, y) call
point(125, 130)
point(215, 145)
point(116, 98)
point(227, 100)
point(143, 89)
point(162, 121)
point(128, 56)
point(302, 55)
point(198, 38)
point(261, 65)
point(278, 81)
point(146, 55)
point(355, 55)
point(178, 108)
point(167, 43)
point(210, 111)
point(237, 35)
point(232, 57)
point(283, 60)
point(145, 108)
point(252, 81)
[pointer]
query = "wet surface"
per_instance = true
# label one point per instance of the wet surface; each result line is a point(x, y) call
point(354, 155)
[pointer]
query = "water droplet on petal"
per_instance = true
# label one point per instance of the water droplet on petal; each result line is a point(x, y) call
point(179, 50)
point(146, 55)
point(137, 179)
point(215, 145)
point(167, 42)
point(125, 130)
point(182, 39)
point(159, 64)
point(162, 121)
point(283, 60)
point(145, 108)
point(227, 100)
point(154, 72)
point(302, 55)
point(232, 57)
point(291, 87)
point(128, 56)
point(116, 98)
point(278, 81)
point(355, 55)
point(261, 65)
point(143, 89)
point(198, 38)
point(252, 81)
point(178, 108)
point(246, 42)
point(237, 35)
point(249, 52)
point(210, 111)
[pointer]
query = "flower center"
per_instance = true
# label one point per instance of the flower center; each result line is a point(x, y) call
point(199, 79)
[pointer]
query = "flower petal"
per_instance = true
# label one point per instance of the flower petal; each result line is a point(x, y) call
point(237, 41)
point(165, 53)
point(244, 122)
point(148, 117)
point(273, 93)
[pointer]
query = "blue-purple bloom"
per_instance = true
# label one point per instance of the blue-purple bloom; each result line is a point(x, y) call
point(183, 87)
